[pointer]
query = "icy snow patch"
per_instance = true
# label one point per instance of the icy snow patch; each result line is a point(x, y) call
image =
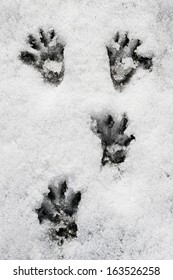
point(53, 66)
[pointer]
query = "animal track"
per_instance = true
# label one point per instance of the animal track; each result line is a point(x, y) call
point(124, 59)
point(113, 139)
point(59, 207)
point(46, 54)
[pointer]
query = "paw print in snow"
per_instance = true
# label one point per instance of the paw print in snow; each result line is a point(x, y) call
point(113, 139)
point(58, 208)
point(124, 59)
point(46, 54)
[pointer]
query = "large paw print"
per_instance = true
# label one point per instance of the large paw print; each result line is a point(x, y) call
point(58, 208)
point(124, 59)
point(46, 54)
point(113, 139)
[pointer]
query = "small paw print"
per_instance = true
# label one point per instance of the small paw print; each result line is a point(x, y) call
point(113, 139)
point(46, 54)
point(58, 208)
point(124, 59)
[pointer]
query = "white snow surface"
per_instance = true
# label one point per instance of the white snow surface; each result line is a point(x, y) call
point(124, 213)
point(52, 66)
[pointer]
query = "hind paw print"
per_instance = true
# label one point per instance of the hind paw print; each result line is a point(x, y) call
point(46, 54)
point(124, 59)
point(113, 139)
point(58, 208)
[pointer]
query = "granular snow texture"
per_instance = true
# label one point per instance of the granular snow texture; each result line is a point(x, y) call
point(126, 209)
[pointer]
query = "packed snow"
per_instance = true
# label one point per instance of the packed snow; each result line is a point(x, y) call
point(126, 210)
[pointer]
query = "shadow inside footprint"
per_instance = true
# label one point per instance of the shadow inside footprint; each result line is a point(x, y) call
point(46, 54)
point(113, 139)
point(59, 207)
point(124, 59)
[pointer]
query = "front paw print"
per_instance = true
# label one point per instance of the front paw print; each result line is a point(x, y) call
point(46, 54)
point(58, 208)
point(113, 139)
point(124, 60)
